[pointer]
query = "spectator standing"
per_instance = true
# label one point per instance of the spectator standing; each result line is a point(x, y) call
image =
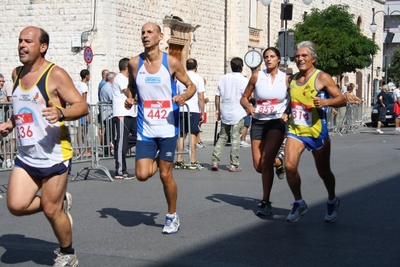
point(196, 108)
point(269, 87)
point(246, 126)
point(124, 120)
point(396, 109)
point(152, 74)
point(230, 89)
point(10, 142)
point(199, 143)
point(99, 121)
point(5, 156)
point(43, 158)
point(344, 87)
point(106, 95)
point(382, 101)
point(82, 133)
point(312, 91)
point(102, 82)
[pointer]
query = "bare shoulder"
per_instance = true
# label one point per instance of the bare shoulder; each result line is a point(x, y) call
point(174, 63)
point(59, 79)
point(133, 62)
point(325, 77)
point(59, 73)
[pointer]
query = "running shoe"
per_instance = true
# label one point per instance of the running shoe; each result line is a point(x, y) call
point(8, 163)
point(332, 211)
point(67, 205)
point(297, 211)
point(234, 168)
point(264, 208)
point(127, 176)
point(214, 166)
point(200, 145)
point(244, 144)
point(280, 172)
point(379, 131)
point(65, 260)
point(179, 165)
point(195, 165)
point(172, 224)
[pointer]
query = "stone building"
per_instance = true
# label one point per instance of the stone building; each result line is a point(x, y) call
point(211, 31)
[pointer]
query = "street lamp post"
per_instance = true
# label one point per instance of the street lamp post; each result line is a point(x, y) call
point(286, 14)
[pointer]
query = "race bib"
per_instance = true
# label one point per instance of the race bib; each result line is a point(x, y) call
point(302, 115)
point(267, 106)
point(156, 111)
point(25, 126)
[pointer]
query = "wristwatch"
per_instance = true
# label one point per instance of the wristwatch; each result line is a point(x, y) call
point(62, 117)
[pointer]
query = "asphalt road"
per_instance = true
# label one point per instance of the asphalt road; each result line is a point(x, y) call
point(119, 223)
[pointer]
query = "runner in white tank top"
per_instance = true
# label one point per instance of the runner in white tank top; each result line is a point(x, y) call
point(152, 74)
point(267, 132)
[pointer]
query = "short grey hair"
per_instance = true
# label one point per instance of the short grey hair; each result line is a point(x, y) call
point(310, 45)
point(110, 75)
point(385, 87)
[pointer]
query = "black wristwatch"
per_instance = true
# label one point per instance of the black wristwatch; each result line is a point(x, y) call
point(62, 117)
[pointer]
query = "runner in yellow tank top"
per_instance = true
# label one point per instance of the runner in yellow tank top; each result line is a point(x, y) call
point(309, 91)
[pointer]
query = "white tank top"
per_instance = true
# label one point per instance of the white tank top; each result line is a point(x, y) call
point(270, 97)
point(40, 143)
point(158, 115)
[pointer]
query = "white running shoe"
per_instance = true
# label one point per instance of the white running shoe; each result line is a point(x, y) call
point(244, 144)
point(65, 260)
point(172, 224)
point(8, 163)
point(379, 131)
point(67, 205)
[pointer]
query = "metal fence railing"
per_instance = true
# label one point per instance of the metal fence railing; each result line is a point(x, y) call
point(92, 138)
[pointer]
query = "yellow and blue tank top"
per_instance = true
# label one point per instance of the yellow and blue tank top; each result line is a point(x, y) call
point(39, 142)
point(306, 119)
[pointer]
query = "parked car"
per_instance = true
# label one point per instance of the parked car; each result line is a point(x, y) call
point(390, 116)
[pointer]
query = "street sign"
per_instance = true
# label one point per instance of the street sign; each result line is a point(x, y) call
point(88, 55)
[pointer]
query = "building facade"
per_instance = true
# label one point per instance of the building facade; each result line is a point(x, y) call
point(211, 31)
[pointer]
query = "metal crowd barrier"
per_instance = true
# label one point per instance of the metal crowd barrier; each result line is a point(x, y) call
point(91, 139)
point(346, 119)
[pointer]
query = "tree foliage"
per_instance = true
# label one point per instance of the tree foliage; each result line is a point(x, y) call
point(340, 44)
point(394, 69)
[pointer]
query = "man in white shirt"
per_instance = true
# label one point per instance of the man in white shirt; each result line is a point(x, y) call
point(196, 110)
point(82, 133)
point(230, 90)
point(124, 120)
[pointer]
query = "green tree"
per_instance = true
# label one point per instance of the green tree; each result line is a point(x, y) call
point(394, 69)
point(340, 44)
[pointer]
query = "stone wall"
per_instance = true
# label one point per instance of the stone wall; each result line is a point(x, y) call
point(113, 30)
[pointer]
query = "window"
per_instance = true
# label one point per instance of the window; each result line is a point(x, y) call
point(253, 16)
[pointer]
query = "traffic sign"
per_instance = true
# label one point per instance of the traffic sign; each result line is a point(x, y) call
point(88, 55)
